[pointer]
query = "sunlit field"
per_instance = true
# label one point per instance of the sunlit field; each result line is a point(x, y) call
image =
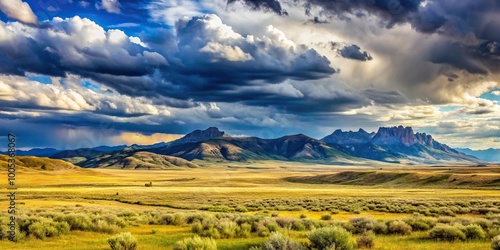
point(242, 206)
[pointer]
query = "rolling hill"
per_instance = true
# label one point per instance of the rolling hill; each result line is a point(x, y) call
point(130, 159)
point(402, 179)
point(37, 163)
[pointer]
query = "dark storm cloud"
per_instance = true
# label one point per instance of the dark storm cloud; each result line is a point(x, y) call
point(354, 52)
point(211, 49)
point(455, 21)
point(457, 55)
point(476, 59)
point(211, 62)
point(203, 60)
point(268, 5)
point(393, 11)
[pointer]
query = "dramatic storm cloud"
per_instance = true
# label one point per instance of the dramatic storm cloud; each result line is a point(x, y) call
point(211, 49)
point(88, 73)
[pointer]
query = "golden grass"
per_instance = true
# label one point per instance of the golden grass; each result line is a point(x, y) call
point(194, 188)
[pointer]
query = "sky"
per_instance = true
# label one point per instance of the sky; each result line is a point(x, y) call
point(87, 73)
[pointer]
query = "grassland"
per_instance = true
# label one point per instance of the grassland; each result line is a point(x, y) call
point(264, 191)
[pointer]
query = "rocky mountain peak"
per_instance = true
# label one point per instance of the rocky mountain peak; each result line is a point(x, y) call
point(201, 135)
point(395, 135)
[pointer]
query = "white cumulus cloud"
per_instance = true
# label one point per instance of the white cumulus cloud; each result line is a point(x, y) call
point(19, 10)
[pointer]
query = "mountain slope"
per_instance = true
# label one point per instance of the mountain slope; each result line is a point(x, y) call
point(129, 159)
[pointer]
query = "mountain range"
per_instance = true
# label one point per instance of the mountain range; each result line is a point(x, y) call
point(395, 143)
point(389, 144)
point(489, 155)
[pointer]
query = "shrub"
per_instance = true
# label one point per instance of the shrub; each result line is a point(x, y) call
point(362, 224)
point(347, 226)
point(303, 216)
point(173, 219)
point(212, 233)
point(326, 217)
point(495, 243)
point(380, 228)
point(197, 227)
point(271, 225)
point(123, 241)
point(419, 224)
point(310, 224)
point(41, 230)
point(446, 233)
point(38, 230)
point(474, 232)
point(331, 238)
point(262, 231)
point(285, 222)
point(298, 226)
point(77, 221)
point(398, 227)
point(196, 243)
point(103, 227)
point(243, 230)
point(20, 235)
point(278, 241)
point(226, 228)
point(367, 240)
point(484, 223)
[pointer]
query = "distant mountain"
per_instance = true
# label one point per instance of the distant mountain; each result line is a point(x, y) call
point(77, 155)
point(293, 148)
point(48, 152)
point(488, 155)
point(35, 152)
point(392, 144)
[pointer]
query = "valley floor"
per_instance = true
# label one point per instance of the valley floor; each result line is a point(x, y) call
point(262, 189)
